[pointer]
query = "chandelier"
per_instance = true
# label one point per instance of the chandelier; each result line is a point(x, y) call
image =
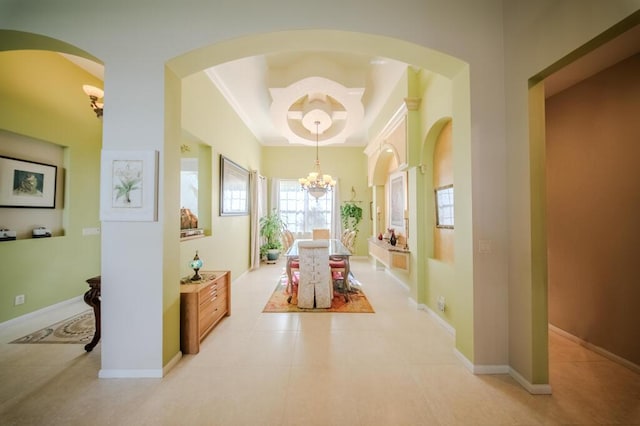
point(94, 94)
point(316, 183)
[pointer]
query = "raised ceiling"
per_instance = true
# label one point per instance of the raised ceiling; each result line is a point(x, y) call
point(284, 98)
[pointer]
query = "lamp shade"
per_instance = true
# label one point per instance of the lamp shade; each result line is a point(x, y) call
point(93, 91)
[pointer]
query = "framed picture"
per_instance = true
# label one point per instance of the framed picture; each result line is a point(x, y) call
point(234, 188)
point(444, 207)
point(27, 184)
point(397, 200)
point(129, 186)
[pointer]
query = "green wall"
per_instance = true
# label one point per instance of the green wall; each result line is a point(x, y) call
point(227, 248)
point(41, 97)
point(347, 165)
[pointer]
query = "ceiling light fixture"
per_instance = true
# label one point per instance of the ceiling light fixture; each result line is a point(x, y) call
point(316, 183)
point(94, 94)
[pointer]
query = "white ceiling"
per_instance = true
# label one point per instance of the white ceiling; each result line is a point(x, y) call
point(282, 97)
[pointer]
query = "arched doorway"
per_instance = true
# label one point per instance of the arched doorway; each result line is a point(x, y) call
point(418, 57)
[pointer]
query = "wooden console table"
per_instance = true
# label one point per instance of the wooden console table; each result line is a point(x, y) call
point(202, 305)
point(92, 298)
point(390, 256)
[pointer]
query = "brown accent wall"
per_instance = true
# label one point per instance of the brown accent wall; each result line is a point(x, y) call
point(443, 248)
point(593, 206)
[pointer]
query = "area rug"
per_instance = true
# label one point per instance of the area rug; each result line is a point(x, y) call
point(358, 303)
point(77, 329)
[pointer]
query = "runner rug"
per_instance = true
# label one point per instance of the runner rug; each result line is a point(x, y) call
point(77, 329)
point(357, 303)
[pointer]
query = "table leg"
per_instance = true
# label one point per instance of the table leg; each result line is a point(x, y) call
point(92, 298)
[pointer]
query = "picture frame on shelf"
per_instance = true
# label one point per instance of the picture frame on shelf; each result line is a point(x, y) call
point(129, 186)
point(234, 188)
point(27, 184)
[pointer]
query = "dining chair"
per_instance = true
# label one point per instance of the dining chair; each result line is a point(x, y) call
point(315, 286)
point(287, 239)
point(321, 234)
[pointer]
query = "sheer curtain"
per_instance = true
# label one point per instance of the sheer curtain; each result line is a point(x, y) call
point(274, 194)
point(258, 185)
point(336, 222)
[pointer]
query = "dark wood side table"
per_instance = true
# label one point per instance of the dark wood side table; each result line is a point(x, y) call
point(92, 298)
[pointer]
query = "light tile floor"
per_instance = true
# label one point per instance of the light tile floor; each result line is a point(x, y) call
point(394, 367)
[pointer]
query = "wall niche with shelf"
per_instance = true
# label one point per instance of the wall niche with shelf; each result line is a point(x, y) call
point(20, 152)
point(195, 190)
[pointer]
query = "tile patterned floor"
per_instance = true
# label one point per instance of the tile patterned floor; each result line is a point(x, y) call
point(394, 367)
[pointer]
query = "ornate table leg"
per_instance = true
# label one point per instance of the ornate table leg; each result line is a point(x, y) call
point(92, 298)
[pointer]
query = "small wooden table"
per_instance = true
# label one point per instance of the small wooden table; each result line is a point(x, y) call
point(92, 298)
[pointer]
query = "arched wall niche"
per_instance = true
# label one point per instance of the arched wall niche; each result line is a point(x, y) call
point(443, 242)
point(385, 162)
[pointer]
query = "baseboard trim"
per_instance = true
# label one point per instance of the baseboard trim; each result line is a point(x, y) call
point(544, 389)
point(172, 363)
point(44, 310)
point(491, 369)
point(481, 369)
point(464, 360)
point(448, 327)
point(398, 280)
point(130, 374)
point(503, 369)
point(597, 349)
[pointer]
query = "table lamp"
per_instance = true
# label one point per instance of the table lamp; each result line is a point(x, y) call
point(196, 264)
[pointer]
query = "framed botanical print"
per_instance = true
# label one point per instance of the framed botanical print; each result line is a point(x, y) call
point(129, 186)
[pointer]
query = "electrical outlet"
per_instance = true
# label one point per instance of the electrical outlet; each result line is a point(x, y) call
point(19, 300)
point(441, 304)
point(90, 231)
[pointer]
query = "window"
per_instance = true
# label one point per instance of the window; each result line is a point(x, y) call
point(444, 207)
point(302, 212)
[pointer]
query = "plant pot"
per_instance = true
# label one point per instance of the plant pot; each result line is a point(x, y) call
point(272, 255)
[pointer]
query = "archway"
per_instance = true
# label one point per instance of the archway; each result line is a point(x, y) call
point(415, 55)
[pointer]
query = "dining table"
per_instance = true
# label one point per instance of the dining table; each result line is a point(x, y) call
point(337, 252)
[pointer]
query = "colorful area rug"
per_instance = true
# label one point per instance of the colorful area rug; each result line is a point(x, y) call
point(358, 302)
point(77, 329)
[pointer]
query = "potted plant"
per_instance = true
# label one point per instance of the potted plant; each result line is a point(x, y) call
point(351, 215)
point(271, 227)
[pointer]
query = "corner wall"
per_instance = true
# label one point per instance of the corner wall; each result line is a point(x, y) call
point(593, 205)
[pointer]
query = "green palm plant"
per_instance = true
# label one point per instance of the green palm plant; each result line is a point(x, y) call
point(271, 227)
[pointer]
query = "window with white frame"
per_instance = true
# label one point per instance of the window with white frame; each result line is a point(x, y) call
point(444, 207)
point(302, 212)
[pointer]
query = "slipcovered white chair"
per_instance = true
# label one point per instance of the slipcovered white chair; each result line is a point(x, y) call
point(315, 286)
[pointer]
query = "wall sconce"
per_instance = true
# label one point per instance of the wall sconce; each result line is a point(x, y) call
point(94, 94)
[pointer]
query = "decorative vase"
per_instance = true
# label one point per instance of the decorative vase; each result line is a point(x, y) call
point(196, 264)
point(380, 236)
point(392, 239)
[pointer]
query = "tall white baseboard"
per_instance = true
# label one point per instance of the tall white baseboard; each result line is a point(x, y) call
point(130, 374)
point(448, 327)
point(544, 389)
point(480, 369)
point(597, 349)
